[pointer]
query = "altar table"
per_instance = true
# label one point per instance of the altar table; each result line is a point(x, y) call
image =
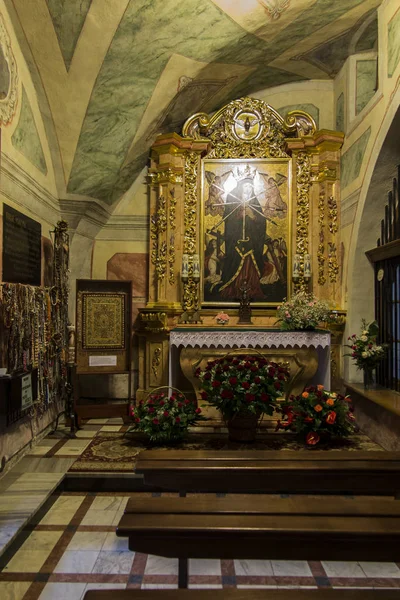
point(224, 339)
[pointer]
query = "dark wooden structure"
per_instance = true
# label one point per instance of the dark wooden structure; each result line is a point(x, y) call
point(386, 260)
point(234, 594)
point(269, 472)
point(299, 528)
point(86, 406)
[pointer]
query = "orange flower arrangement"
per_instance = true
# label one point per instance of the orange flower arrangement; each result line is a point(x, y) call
point(317, 412)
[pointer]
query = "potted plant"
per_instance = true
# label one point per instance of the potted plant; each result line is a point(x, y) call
point(302, 311)
point(165, 419)
point(317, 414)
point(243, 387)
point(365, 351)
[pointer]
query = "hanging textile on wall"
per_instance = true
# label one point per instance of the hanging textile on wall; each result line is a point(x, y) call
point(33, 326)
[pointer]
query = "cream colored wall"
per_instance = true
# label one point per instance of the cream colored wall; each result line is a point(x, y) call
point(24, 186)
point(319, 93)
point(361, 223)
point(105, 250)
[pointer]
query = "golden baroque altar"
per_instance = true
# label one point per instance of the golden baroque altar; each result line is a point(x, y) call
point(237, 197)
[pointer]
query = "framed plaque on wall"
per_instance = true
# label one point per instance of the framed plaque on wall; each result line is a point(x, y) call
point(103, 326)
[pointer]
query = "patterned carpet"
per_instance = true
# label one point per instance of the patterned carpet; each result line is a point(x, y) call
point(118, 451)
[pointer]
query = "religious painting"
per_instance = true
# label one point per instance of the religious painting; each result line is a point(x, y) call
point(103, 321)
point(246, 223)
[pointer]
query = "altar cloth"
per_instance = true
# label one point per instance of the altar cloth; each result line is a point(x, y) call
point(213, 337)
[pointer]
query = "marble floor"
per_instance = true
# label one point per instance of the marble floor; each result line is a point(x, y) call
point(56, 550)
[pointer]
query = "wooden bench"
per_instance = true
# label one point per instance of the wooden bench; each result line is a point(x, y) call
point(269, 472)
point(247, 594)
point(301, 528)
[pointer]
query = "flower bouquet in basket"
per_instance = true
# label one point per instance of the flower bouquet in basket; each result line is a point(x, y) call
point(317, 414)
point(302, 311)
point(164, 418)
point(243, 386)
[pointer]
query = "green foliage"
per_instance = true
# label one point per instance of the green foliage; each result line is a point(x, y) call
point(302, 311)
point(243, 383)
point(317, 413)
point(165, 419)
point(365, 351)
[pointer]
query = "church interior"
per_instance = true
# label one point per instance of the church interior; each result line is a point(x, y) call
point(199, 299)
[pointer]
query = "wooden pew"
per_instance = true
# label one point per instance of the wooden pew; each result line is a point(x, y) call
point(301, 528)
point(247, 594)
point(269, 472)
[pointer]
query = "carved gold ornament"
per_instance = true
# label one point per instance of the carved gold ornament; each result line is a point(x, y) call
point(172, 229)
point(248, 128)
point(190, 288)
point(156, 322)
point(166, 176)
point(156, 361)
point(321, 244)
point(333, 267)
point(8, 98)
point(332, 214)
point(303, 183)
point(158, 226)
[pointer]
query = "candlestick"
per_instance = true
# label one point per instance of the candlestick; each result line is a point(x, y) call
point(307, 266)
point(196, 266)
point(296, 266)
point(185, 266)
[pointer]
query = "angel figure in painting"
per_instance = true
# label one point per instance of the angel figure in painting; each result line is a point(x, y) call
point(214, 204)
point(274, 206)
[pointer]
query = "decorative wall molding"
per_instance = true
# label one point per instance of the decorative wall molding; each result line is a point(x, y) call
point(26, 192)
point(126, 228)
point(349, 208)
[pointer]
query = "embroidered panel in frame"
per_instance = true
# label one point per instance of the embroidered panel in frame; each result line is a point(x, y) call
point(103, 321)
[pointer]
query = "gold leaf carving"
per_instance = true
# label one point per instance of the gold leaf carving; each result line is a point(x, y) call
point(321, 245)
point(156, 361)
point(190, 288)
point(333, 267)
point(303, 182)
point(332, 214)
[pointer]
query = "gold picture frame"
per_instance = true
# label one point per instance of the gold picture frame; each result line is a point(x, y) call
point(246, 222)
point(103, 321)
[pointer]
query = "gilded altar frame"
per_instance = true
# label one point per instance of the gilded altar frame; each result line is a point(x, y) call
point(270, 182)
point(244, 130)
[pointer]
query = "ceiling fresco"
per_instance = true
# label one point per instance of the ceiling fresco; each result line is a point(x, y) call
point(118, 72)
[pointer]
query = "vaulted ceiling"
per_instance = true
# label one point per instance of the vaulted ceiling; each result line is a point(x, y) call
point(115, 73)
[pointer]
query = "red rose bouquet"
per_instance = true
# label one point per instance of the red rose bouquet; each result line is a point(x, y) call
point(317, 413)
point(165, 419)
point(237, 383)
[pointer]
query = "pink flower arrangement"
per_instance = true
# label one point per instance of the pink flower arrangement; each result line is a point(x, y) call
point(222, 318)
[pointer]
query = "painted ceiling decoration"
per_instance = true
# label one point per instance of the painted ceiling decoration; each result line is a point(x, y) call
point(26, 137)
point(118, 72)
point(8, 77)
point(68, 18)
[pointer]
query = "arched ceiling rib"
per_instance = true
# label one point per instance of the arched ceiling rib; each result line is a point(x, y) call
point(118, 72)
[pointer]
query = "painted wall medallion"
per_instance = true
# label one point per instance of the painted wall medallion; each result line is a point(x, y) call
point(8, 77)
